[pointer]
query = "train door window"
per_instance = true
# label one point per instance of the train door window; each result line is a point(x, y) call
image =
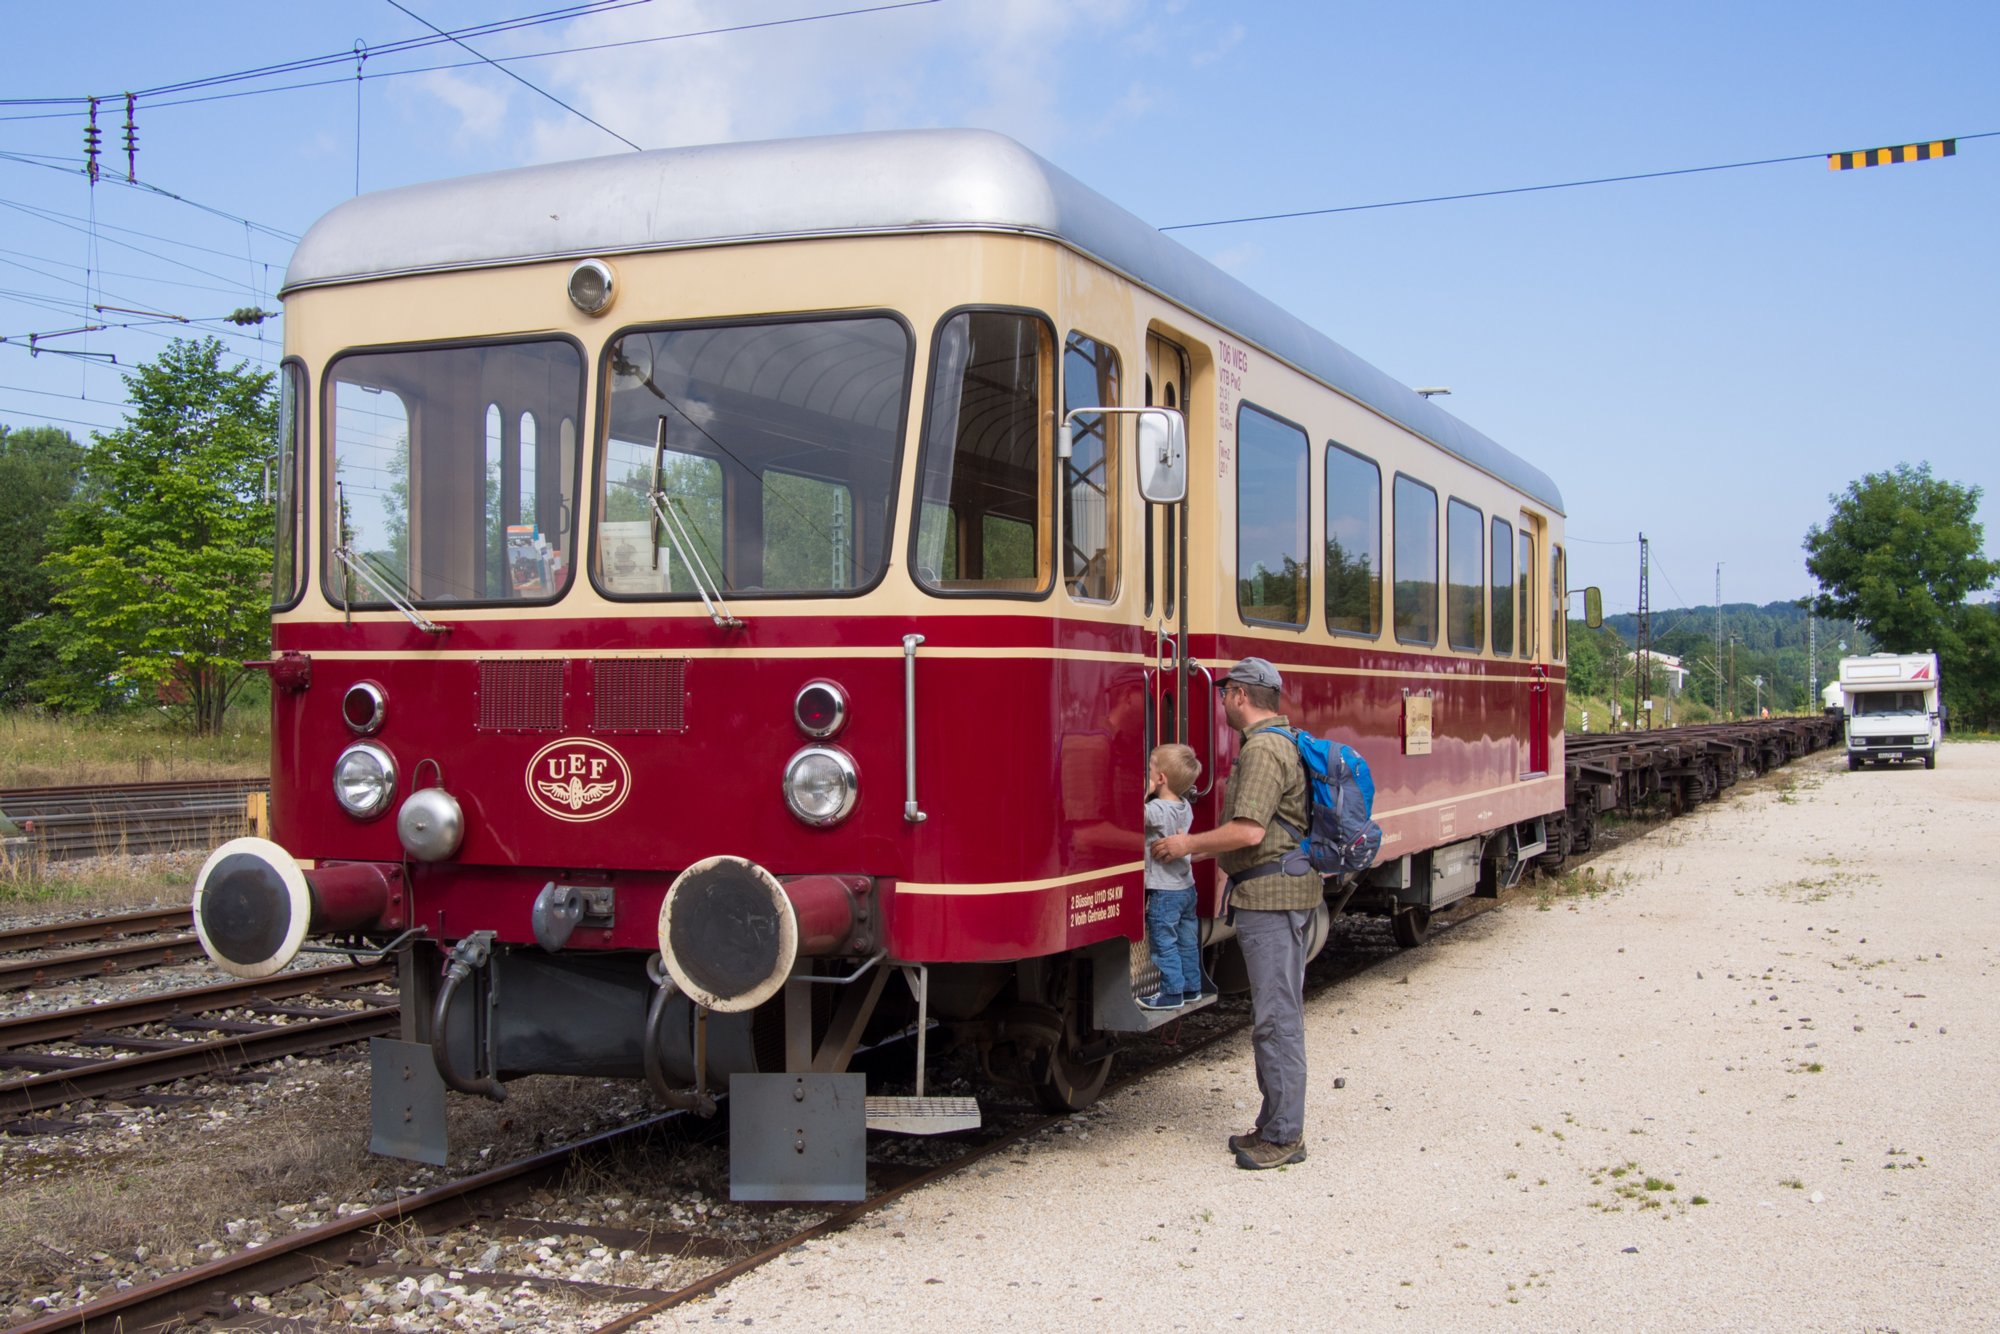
point(1353, 543)
point(1558, 605)
point(983, 519)
point(1273, 570)
point(424, 456)
point(1502, 587)
point(1416, 562)
point(1090, 495)
point(1465, 577)
point(1525, 576)
point(285, 473)
point(778, 454)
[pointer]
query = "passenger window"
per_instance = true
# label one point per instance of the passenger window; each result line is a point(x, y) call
point(1353, 543)
point(1465, 577)
point(1526, 577)
point(984, 513)
point(1273, 577)
point(1502, 587)
point(1090, 494)
point(1416, 562)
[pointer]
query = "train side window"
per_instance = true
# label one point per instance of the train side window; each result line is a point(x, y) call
point(1502, 587)
point(285, 474)
point(1353, 543)
point(1089, 494)
point(1273, 570)
point(984, 512)
point(1558, 605)
point(1416, 562)
point(1465, 577)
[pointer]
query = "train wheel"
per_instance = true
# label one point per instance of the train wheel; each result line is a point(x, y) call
point(1411, 926)
point(1071, 1081)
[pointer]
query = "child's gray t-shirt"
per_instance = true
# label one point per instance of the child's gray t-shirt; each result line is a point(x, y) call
point(1168, 815)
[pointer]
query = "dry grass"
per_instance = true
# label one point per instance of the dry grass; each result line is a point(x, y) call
point(102, 884)
point(39, 750)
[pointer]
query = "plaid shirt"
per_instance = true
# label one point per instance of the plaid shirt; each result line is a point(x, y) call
point(1268, 781)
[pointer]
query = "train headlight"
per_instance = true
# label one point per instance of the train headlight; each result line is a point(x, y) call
point(820, 785)
point(820, 709)
point(591, 287)
point(364, 780)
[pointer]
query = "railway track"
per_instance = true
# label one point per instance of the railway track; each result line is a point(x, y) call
point(58, 823)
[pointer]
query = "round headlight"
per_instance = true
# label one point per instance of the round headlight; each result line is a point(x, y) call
point(362, 707)
point(820, 785)
point(591, 287)
point(364, 779)
point(820, 709)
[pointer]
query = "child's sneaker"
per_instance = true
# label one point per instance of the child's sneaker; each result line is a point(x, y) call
point(1160, 1000)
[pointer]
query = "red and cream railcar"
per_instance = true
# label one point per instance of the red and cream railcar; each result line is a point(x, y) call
point(708, 584)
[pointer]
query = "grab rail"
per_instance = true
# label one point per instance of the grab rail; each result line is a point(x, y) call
point(911, 810)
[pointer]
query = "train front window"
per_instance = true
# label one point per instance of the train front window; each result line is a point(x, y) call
point(444, 490)
point(776, 446)
point(285, 484)
point(985, 515)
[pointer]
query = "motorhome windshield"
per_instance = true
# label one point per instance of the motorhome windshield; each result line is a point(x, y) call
point(1888, 701)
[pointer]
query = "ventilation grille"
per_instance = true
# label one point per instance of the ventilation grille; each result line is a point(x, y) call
point(521, 695)
point(638, 695)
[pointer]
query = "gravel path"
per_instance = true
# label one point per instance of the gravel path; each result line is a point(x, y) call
point(1740, 1078)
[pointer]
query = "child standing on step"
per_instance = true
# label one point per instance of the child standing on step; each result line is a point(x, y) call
point(1172, 935)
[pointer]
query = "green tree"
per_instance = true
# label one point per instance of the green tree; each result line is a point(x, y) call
point(1900, 554)
point(167, 567)
point(39, 471)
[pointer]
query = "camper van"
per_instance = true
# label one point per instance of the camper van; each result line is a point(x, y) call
point(1893, 708)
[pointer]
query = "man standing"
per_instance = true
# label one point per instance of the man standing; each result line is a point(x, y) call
point(1262, 816)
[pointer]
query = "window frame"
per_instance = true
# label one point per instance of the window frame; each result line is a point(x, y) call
point(292, 370)
point(1454, 505)
point(1436, 565)
point(328, 486)
point(1306, 562)
point(599, 444)
point(1045, 447)
point(1326, 526)
point(1498, 594)
point(1113, 463)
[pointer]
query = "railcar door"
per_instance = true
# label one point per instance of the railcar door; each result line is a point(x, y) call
point(1534, 712)
point(1165, 528)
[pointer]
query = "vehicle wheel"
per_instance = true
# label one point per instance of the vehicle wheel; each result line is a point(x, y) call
point(1853, 761)
point(1412, 926)
point(1930, 759)
point(1070, 1083)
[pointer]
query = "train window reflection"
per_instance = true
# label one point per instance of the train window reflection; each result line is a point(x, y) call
point(778, 451)
point(1465, 577)
point(426, 453)
point(285, 484)
point(1503, 587)
point(1273, 574)
point(1353, 544)
point(984, 520)
point(1416, 562)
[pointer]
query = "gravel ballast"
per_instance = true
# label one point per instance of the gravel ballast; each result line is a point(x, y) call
point(1739, 1077)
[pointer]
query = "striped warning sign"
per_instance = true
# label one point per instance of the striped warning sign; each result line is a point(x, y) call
point(1882, 157)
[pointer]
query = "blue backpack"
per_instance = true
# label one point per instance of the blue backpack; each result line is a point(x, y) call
point(1342, 837)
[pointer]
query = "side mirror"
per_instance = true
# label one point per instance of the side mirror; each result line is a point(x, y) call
point(1593, 607)
point(1163, 472)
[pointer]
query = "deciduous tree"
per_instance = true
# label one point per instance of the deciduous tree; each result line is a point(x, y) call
point(39, 468)
point(167, 568)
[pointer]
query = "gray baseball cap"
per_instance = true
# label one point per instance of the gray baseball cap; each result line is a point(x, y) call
point(1252, 672)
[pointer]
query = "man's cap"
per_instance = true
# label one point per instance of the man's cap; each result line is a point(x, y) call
point(1251, 672)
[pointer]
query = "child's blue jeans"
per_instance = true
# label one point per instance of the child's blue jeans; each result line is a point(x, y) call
point(1172, 936)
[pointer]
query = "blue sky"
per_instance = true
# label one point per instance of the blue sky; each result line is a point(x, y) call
point(1702, 357)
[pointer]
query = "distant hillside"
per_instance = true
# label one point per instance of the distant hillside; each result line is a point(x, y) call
point(1768, 641)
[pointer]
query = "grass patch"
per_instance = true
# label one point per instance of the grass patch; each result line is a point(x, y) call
point(29, 884)
point(1580, 884)
point(1631, 1185)
point(41, 750)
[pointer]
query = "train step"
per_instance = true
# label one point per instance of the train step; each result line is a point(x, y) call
point(922, 1116)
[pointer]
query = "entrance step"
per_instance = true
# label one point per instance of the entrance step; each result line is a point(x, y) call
point(922, 1116)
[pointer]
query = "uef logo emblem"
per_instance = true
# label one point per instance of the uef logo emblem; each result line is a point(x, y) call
point(578, 779)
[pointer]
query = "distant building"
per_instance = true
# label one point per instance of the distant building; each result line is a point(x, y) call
point(1667, 671)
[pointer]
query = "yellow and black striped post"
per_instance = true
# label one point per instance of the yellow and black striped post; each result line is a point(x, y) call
point(1882, 157)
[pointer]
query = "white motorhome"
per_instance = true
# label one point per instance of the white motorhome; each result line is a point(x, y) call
point(1893, 708)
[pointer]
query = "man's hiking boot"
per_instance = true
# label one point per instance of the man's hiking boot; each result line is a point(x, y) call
point(1238, 1143)
point(1257, 1156)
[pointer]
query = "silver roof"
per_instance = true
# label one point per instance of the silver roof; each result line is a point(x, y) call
point(841, 185)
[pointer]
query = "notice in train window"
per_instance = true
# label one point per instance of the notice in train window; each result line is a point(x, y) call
point(1416, 725)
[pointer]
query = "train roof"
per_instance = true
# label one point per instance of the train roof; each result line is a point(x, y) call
point(840, 185)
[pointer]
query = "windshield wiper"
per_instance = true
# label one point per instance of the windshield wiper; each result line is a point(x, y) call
point(359, 566)
point(667, 518)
